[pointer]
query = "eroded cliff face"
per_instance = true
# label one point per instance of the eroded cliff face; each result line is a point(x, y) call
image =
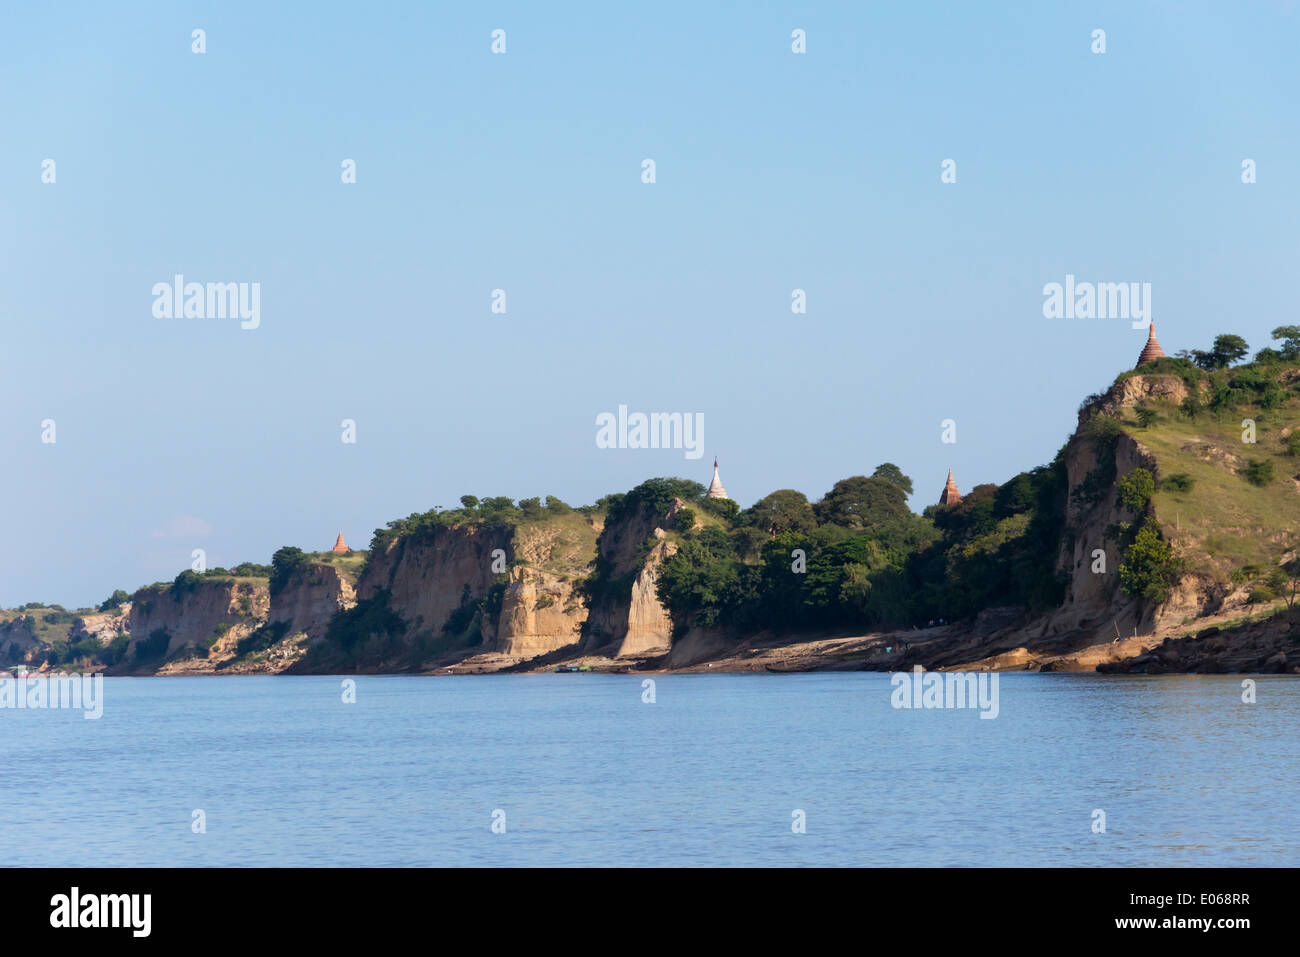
point(629, 619)
point(1094, 603)
point(426, 576)
point(542, 610)
point(649, 626)
point(539, 614)
point(214, 612)
point(1095, 606)
point(310, 598)
point(1137, 389)
point(16, 639)
point(103, 626)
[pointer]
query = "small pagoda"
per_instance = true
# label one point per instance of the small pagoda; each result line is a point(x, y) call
point(950, 495)
point(715, 487)
point(340, 546)
point(1151, 351)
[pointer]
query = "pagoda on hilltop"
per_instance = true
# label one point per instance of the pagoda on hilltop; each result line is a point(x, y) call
point(340, 546)
point(1151, 351)
point(950, 495)
point(715, 487)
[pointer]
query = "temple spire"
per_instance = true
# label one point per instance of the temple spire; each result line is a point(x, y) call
point(950, 495)
point(1151, 351)
point(715, 487)
point(340, 545)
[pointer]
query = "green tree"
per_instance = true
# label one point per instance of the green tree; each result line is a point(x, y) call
point(1289, 339)
point(1149, 566)
point(115, 600)
point(284, 562)
point(186, 582)
point(892, 473)
point(557, 507)
point(469, 502)
point(1135, 489)
point(1226, 350)
point(784, 510)
point(1146, 416)
point(531, 507)
point(861, 502)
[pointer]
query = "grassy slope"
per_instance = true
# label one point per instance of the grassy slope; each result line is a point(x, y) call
point(1224, 522)
point(349, 564)
point(561, 545)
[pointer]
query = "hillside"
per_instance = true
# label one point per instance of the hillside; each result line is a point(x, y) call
point(1173, 511)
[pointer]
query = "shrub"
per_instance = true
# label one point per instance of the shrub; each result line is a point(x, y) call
point(1135, 489)
point(284, 563)
point(115, 600)
point(1149, 566)
point(1178, 482)
point(155, 646)
point(1259, 471)
point(187, 582)
point(1146, 416)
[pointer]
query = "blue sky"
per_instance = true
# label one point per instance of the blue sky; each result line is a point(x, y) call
point(522, 171)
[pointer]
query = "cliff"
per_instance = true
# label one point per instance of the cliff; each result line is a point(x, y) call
point(17, 639)
point(310, 598)
point(168, 622)
point(627, 619)
point(1172, 511)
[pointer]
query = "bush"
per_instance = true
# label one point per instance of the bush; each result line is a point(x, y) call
point(1178, 482)
point(155, 646)
point(187, 582)
point(1146, 416)
point(115, 600)
point(1135, 489)
point(1149, 566)
point(1259, 471)
point(284, 563)
point(1293, 443)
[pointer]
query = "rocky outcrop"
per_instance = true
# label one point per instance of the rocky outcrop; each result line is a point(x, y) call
point(1267, 646)
point(103, 626)
point(627, 616)
point(540, 613)
point(1094, 604)
point(1136, 390)
point(215, 609)
point(649, 626)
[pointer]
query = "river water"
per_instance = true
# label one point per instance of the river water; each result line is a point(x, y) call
point(581, 770)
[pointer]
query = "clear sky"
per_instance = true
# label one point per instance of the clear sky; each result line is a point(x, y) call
point(523, 172)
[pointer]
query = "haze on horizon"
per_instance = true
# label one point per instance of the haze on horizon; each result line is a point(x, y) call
point(522, 172)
